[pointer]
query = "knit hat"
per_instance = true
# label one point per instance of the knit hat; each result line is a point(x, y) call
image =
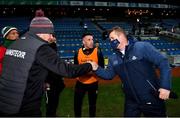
point(41, 25)
point(39, 13)
point(6, 30)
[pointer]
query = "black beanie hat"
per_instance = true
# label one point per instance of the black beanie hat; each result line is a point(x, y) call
point(41, 25)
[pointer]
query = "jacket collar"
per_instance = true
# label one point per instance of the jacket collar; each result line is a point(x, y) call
point(130, 45)
point(35, 36)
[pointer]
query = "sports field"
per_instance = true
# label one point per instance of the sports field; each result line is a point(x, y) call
point(110, 101)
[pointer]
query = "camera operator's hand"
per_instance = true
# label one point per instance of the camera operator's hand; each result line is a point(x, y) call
point(164, 94)
point(94, 65)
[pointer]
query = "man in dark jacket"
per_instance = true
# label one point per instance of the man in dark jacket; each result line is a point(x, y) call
point(54, 85)
point(25, 67)
point(135, 62)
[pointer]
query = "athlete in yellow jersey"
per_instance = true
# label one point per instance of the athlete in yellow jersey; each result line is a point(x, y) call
point(89, 82)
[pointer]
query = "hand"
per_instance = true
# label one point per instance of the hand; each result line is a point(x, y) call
point(94, 65)
point(47, 86)
point(164, 94)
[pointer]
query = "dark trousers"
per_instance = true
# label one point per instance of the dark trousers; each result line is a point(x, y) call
point(152, 108)
point(80, 90)
point(28, 113)
point(7, 115)
point(27, 110)
point(53, 97)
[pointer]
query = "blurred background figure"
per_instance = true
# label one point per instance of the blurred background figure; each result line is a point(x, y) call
point(10, 34)
point(54, 85)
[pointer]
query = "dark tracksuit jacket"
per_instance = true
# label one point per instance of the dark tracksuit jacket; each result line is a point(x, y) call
point(56, 87)
point(135, 68)
point(25, 67)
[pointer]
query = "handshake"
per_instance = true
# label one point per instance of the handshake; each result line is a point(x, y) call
point(94, 65)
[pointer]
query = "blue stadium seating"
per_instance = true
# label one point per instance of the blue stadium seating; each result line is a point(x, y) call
point(108, 25)
point(164, 45)
point(69, 32)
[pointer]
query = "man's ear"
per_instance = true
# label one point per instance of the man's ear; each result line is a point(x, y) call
point(83, 42)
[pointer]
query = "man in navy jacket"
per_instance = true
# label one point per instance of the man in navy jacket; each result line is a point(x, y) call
point(134, 63)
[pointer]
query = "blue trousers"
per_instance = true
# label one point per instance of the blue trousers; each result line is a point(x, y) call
point(153, 107)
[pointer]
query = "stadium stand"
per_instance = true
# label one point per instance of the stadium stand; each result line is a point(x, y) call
point(69, 32)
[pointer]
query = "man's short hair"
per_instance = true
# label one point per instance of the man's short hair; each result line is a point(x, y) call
point(85, 34)
point(117, 29)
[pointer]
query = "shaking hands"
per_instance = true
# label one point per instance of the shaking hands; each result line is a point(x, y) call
point(94, 65)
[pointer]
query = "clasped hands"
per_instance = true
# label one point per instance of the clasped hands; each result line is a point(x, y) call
point(94, 65)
